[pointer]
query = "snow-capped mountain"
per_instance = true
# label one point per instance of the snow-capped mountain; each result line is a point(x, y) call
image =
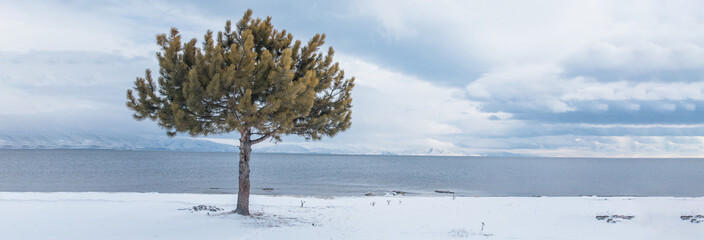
point(97, 141)
point(179, 143)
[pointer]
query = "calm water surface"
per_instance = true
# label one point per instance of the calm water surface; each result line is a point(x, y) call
point(345, 175)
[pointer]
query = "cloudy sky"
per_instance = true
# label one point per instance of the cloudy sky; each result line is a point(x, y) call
point(542, 78)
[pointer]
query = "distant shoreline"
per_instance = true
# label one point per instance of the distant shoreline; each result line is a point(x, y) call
point(255, 151)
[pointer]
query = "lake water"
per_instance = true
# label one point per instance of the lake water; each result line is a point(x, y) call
point(345, 175)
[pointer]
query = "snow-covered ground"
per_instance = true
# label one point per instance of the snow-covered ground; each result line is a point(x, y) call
point(162, 216)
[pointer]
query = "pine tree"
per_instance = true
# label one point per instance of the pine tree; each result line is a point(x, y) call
point(254, 80)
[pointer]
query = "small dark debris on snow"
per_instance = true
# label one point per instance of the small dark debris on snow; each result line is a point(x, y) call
point(443, 191)
point(693, 219)
point(614, 218)
point(370, 194)
point(205, 208)
point(268, 189)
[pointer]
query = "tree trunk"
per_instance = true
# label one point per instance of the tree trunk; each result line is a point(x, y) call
point(243, 193)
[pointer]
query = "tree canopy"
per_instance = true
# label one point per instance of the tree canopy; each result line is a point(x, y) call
point(252, 79)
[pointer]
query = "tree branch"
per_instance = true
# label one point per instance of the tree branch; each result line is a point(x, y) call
point(262, 138)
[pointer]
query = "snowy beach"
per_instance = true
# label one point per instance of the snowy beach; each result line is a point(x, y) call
point(172, 216)
point(327, 120)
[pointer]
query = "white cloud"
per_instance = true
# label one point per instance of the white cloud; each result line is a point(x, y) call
point(633, 106)
point(639, 57)
point(529, 31)
point(624, 36)
point(605, 146)
point(70, 68)
point(689, 106)
point(397, 104)
point(667, 107)
point(544, 88)
point(586, 90)
point(525, 87)
point(58, 27)
point(18, 102)
point(126, 28)
point(642, 126)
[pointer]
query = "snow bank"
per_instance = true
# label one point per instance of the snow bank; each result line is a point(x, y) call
point(170, 216)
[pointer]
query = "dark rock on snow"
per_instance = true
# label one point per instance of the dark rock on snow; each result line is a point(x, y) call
point(205, 208)
point(614, 218)
point(443, 191)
